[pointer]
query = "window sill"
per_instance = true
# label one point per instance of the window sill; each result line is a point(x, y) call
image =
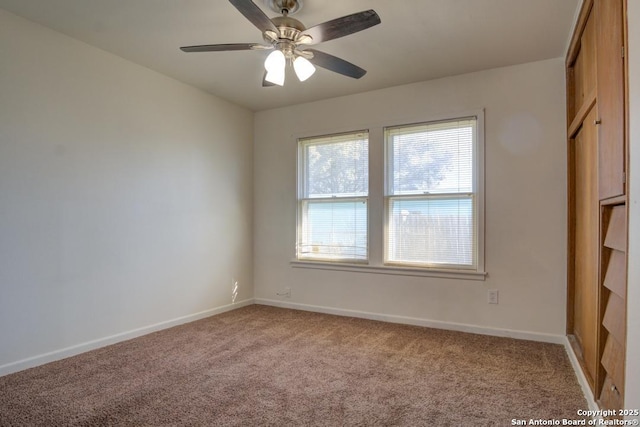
point(389, 269)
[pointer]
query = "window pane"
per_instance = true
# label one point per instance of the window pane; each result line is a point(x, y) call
point(336, 166)
point(431, 158)
point(336, 169)
point(431, 231)
point(333, 230)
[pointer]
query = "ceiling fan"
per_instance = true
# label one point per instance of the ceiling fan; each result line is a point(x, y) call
point(289, 39)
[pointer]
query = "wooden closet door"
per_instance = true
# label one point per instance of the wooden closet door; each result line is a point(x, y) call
point(586, 244)
point(597, 263)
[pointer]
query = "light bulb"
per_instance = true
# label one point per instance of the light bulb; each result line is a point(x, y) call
point(275, 65)
point(304, 69)
point(276, 77)
point(274, 61)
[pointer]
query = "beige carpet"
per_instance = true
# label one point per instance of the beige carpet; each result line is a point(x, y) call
point(262, 365)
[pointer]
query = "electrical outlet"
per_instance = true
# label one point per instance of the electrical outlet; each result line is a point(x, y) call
point(492, 296)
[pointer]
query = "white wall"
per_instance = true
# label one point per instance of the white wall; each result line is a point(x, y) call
point(125, 196)
point(632, 382)
point(525, 201)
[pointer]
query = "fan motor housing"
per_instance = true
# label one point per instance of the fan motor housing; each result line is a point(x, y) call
point(289, 27)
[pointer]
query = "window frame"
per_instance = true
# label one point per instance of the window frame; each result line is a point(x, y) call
point(302, 198)
point(475, 195)
point(376, 209)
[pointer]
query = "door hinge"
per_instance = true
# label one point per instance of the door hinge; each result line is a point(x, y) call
point(624, 177)
point(623, 51)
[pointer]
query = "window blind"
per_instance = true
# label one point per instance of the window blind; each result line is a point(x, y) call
point(333, 197)
point(430, 200)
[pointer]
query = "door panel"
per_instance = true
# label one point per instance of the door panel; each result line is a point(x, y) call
point(610, 94)
point(586, 244)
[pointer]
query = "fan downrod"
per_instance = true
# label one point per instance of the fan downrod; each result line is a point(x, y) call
point(284, 7)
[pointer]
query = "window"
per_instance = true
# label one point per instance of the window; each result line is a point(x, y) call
point(431, 199)
point(333, 190)
point(404, 200)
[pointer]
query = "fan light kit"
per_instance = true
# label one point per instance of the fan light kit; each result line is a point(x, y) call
point(289, 39)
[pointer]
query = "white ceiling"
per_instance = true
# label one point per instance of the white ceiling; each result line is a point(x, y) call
point(417, 40)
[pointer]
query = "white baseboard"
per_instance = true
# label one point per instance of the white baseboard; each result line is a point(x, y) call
point(582, 380)
point(41, 359)
point(461, 327)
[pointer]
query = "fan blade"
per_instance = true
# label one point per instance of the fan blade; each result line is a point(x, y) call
point(254, 14)
point(336, 64)
point(344, 26)
point(223, 47)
